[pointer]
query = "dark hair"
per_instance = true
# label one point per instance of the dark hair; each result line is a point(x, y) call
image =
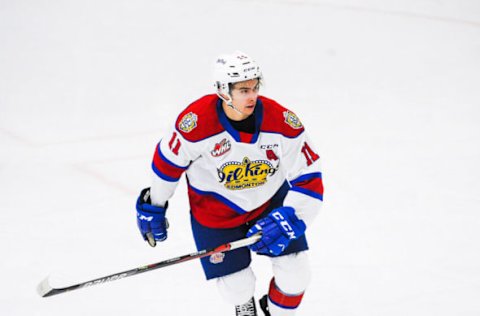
point(232, 85)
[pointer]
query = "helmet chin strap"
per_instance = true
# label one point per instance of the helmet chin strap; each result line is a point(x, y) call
point(229, 102)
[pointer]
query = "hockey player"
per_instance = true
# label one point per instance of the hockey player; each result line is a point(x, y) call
point(250, 168)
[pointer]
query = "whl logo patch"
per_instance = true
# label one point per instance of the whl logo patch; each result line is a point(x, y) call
point(246, 174)
point(221, 148)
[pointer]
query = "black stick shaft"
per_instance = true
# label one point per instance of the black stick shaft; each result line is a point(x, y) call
point(45, 290)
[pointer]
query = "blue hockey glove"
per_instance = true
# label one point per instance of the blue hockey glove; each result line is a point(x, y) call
point(151, 219)
point(278, 229)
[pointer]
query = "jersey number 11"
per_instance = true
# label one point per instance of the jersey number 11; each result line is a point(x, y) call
point(310, 155)
point(174, 146)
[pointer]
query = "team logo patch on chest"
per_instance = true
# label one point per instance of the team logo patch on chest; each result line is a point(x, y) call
point(221, 148)
point(188, 122)
point(246, 174)
point(292, 120)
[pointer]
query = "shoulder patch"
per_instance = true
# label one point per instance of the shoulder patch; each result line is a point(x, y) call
point(188, 122)
point(292, 120)
point(278, 119)
point(199, 120)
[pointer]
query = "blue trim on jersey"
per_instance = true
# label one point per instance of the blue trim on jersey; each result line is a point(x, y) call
point(222, 199)
point(168, 161)
point(258, 120)
point(162, 175)
point(280, 305)
point(308, 176)
point(258, 112)
point(225, 123)
point(291, 137)
point(308, 192)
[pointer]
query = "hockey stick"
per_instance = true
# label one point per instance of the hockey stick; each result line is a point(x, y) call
point(44, 289)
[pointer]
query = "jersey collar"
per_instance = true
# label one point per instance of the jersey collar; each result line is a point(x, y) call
point(258, 112)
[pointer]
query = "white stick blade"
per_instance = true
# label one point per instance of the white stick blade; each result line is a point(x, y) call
point(44, 288)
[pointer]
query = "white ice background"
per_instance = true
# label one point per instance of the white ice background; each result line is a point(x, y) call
point(389, 91)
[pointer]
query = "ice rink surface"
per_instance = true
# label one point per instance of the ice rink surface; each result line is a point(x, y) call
point(388, 90)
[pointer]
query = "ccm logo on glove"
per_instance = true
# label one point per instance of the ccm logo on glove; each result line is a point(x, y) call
point(285, 225)
point(278, 229)
point(151, 219)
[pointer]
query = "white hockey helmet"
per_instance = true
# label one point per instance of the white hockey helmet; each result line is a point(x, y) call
point(232, 68)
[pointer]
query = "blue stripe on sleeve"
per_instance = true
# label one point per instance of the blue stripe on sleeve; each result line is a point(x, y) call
point(306, 177)
point(162, 175)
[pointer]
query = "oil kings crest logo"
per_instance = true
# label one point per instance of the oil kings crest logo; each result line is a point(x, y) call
point(292, 120)
point(188, 122)
point(246, 174)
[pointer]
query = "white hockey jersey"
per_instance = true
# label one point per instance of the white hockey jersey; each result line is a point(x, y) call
point(232, 176)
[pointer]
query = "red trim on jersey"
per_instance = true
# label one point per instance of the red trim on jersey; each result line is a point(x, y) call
point(207, 123)
point(245, 137)
point(281, 299)
point(274, 121)
point(213, 213)
point(314, 185)
point(166, 168)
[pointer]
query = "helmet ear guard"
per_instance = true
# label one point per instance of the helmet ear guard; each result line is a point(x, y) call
point(220, 87)
point(222, 92)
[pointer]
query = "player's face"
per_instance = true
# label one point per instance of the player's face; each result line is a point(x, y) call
point(244, 96)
